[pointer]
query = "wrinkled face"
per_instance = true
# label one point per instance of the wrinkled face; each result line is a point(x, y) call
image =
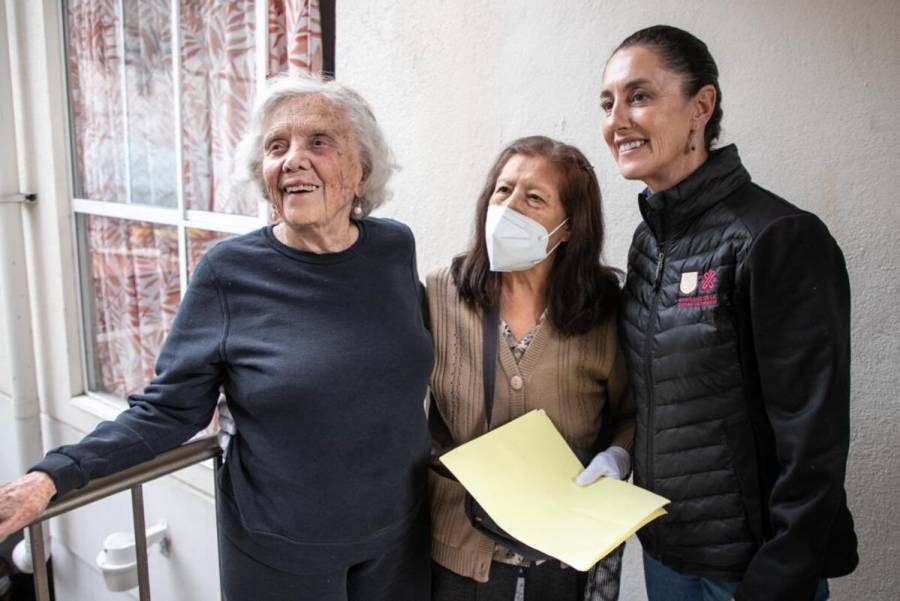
point(648, 119)
point(531, 186)
point(311, 167)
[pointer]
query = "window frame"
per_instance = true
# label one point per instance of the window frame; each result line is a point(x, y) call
point(97, 402)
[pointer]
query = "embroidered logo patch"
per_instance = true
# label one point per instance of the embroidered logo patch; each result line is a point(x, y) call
point(688, 282)
point(707, 288)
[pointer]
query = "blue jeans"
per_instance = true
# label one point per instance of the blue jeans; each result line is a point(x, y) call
point(665, 584)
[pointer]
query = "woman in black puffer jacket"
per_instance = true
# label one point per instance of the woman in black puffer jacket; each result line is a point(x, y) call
point(736, 326)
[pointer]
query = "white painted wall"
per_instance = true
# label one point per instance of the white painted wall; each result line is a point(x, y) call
point(809, 89)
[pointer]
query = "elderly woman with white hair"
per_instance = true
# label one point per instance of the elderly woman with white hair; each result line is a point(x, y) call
point(314, 329)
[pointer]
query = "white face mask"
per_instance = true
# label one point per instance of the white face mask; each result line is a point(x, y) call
point(515, 242)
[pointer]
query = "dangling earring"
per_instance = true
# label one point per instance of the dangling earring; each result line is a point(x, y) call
point(690, 146)
point(357, 209)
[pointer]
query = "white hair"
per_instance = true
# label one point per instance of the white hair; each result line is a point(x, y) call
point(375, 155)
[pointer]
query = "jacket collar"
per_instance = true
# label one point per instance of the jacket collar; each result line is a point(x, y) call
point(668, 212)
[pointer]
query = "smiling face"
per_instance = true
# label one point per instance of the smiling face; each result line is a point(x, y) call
point(531, 186)
point(650, 123)
point(311, 167)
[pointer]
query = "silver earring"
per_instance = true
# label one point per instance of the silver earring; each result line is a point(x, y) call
point(357, 210)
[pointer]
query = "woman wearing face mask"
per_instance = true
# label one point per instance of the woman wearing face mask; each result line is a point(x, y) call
point(736, 325)
point(535, 263)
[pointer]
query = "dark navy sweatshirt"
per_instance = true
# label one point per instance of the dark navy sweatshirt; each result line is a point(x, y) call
point(324, 360)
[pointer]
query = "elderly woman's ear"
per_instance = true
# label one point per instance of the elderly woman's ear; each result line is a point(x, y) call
point(363, 180)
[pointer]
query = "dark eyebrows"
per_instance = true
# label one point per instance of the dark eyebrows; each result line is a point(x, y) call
point(629, 85)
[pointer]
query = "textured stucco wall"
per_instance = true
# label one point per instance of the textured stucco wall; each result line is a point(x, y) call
point(809, 92)
point(4, 358)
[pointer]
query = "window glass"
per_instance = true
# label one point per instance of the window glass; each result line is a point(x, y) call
point(150, 102)
point(94, 40)
point(121, 94)
point(134, 293)
point(218, 83)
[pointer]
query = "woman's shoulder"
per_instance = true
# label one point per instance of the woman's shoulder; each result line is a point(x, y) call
point(387, 228)
point(236, 250)
point(439, 284)
point(440, 277)
point(441, 289)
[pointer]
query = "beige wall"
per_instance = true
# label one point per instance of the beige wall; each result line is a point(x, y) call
point(809, 91)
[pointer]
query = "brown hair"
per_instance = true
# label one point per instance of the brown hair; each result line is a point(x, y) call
point(582, 292)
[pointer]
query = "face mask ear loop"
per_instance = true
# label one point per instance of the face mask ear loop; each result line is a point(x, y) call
point(556, 229)
point(555, 246)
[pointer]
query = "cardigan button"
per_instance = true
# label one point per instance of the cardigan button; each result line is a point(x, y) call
point(516, 382)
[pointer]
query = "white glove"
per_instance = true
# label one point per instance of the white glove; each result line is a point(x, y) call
point(227, 429)
point(614, 462)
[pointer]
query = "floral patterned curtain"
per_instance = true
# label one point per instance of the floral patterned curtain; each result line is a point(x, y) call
point(121, 89)
point(134, 268)
point(95, 94)
point(217, 85)
point(295, 37)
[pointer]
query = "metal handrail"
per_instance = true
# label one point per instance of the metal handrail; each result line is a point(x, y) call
point(100, 488)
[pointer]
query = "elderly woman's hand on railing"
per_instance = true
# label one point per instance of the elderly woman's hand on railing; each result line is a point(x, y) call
point(23, 500)
point(227, 428)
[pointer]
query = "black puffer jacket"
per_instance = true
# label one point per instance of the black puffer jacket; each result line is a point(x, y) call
point(736, 326)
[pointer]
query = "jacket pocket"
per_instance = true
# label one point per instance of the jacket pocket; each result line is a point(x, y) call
point(739, 439)
point(449, 524)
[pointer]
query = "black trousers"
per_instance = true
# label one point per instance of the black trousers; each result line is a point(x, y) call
point(546, 582)
point(402, 573)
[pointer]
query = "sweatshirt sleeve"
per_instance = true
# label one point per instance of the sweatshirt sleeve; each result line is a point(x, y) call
point(799, 296)
point(177, 403)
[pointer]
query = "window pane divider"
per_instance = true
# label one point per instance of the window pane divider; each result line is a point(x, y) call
point(262, 74)
point(222, 222)
point(179, 159)
point(133, 212)
point(204, 220)
point(124, 83)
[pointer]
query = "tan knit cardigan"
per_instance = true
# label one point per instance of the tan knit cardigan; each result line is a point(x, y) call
point(578, 380)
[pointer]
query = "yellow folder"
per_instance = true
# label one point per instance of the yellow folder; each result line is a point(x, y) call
point(523, 474)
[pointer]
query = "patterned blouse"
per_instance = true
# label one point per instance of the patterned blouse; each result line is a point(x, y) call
point(604, 578)
point(518, 348)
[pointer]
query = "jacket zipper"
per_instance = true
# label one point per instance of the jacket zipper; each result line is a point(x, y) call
point(648, 362)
